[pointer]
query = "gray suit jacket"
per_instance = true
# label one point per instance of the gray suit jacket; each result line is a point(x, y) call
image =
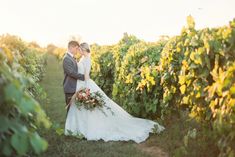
point(71, 74)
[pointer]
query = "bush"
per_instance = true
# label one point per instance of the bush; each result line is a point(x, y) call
point(191, 65)
point(103, 67)
point(20, 114)
point(137, 85)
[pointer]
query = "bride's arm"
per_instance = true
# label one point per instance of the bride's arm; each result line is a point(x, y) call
point(87, 71)
point(87, 76)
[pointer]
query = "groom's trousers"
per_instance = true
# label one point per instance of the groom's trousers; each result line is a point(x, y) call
point(68, 97)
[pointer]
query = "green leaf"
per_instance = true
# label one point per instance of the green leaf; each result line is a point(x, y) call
point(39, 145)
point(154, 72)
point(17, 126)
point(207, 60)
point(154, 108)
point(192, 133)
point(20, 143)
point(4, 124)
point(6, 148)
point(193, 66)
point(186, 140)
point(204, 73)
point(136, 109)
point(232, 90)
point(190, 22)
point(182, 89)
point(12, 93)
point(182, 79)
point(185, 100)
point(27, 105)
point(115, 90)
point(59, 131)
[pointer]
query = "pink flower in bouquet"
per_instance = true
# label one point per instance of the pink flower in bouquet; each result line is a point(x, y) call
point(88, 92)
point(79, 96)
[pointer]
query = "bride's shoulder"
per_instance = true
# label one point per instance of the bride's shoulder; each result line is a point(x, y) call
point(87, 62)
point(87, 59)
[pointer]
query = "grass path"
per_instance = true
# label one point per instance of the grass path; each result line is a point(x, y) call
point(63, 146)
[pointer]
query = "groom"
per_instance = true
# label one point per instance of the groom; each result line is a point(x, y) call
point(71, 74)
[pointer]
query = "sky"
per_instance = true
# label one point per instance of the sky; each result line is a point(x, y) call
point(104, 21)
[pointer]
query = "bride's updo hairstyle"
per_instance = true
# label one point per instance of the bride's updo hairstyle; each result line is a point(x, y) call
point(85, 47)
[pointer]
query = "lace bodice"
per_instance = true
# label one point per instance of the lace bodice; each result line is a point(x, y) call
point(84, 64)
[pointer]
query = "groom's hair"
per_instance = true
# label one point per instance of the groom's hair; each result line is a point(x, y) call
point(73, 43)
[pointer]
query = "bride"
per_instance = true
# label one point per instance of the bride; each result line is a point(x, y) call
point(95, 125)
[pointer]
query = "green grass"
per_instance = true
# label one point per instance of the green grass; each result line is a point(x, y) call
point(168, 143)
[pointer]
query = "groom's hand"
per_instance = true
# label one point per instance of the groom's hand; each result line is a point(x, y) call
point(82, 77)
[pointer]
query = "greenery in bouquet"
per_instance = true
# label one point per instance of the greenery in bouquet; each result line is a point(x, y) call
point(90, 100)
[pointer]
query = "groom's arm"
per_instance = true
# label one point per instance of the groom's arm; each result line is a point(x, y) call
point(70, 70)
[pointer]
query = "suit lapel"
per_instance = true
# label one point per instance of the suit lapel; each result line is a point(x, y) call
point(74, 61)
point(70, 57)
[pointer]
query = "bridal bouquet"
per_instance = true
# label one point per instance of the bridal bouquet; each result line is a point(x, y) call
point(90, 101)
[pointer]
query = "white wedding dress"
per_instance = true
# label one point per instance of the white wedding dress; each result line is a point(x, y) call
point(95, 125)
